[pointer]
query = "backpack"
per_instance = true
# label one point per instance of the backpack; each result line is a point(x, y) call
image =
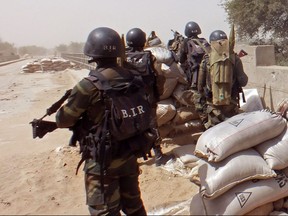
point(221, 72)
point(140, 63)
point(196, 50)
point(127, 106)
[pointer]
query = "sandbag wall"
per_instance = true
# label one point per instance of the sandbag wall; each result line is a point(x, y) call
point(47, 64)
point(243, 168)
point(176, 113)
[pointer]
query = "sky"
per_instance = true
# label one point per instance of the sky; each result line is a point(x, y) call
point(49, 23)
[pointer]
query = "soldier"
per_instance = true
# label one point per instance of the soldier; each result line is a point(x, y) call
point(221, 77)
point(192, 51)
point(144, 64)
point(117, 188)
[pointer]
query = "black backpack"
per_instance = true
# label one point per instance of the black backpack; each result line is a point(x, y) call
point(140, 63)
point(126, 125)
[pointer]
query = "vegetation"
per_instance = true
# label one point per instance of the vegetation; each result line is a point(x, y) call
point(9, 49)
point(261, 22)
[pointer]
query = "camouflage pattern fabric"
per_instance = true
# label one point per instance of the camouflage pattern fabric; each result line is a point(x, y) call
point(120, 181)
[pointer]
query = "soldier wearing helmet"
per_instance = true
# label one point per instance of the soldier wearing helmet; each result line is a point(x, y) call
point(192, 51)
point(144, 61)
point(212, 111)
point(116, 189)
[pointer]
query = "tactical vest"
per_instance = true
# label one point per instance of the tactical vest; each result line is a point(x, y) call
point(221, 72)
point(196, 50)
point(142, 63)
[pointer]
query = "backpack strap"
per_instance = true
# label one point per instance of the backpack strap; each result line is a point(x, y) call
point(200, 44)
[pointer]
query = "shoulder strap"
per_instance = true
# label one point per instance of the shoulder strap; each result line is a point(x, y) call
point(201, 45)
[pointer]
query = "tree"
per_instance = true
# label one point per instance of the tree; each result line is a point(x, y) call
point(32, 50)
point(258, 18)
point(7, 48)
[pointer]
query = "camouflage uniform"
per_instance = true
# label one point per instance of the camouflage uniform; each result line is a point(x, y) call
point(154, 88)
point(120, 188)
point(210, 113)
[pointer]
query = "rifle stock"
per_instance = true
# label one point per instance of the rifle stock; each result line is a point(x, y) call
point(41, 127)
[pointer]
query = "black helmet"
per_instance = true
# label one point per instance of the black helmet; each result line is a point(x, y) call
point(135, 38)
point(103, 42)
point(192, 28)
point(217, 35)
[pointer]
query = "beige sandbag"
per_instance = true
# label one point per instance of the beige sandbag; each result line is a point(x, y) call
point(186, 155)
point(278, 213)
point(217, 178)
point(242, 198)
point(174, 71)
point(168, 88)
point(240, 132)
point(274, 151)
point(185, 114)
point(193, 126)
point(164, 113)
point(165, 130)
point(278, 204)
point(162, 55)
point(184, 95)
point(282, 108)
point(264, 210)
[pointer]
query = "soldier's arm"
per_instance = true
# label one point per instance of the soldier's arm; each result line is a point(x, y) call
point(241, 76)
point(77, 104)
point(202, 74)
point(183, 51)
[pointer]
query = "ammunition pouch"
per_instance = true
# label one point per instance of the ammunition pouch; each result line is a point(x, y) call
point(141, 144)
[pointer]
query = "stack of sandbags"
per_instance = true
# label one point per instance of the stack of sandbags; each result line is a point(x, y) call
point(176, 113)
point(47, 64)
point(32, 67)
point(240, 172)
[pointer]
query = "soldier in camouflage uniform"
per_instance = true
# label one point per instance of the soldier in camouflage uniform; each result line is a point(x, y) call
point(144, 62)
point(118, 189)
point(212, 114)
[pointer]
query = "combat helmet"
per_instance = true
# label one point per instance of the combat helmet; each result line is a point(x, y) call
point(192, 29)
point(135, 37)
point(217, 35)
point(103, 42)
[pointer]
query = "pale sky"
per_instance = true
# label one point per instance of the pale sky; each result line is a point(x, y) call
point(49, 23)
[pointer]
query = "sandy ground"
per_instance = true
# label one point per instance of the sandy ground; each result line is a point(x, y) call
point(38, 175)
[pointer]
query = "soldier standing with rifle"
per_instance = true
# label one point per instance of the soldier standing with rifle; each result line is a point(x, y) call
point(117, 187)
point(191, 52)
point(221, 78)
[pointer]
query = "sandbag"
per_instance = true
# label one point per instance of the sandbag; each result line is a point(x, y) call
point(217, 178)
point(239, 132)
point(174, 71)
point(274, 151)
point(162, 55)
point(242, 198)
point(264, 210)
point(193, 126)
point(168, 88)
point(186, 155)
point(185, 114)
point(184, 95)
point(164, 113)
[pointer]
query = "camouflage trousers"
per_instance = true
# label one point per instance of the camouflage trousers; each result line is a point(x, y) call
point(118, 189)
point(217, 114)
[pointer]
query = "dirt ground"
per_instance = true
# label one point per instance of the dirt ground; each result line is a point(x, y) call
point(38, 175)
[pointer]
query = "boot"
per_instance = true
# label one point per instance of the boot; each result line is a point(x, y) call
point(160, 158)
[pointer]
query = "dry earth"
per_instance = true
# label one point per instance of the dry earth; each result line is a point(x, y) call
point(38, 175)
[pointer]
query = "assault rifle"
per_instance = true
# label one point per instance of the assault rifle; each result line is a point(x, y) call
point(174, 44)
point(41, 127)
